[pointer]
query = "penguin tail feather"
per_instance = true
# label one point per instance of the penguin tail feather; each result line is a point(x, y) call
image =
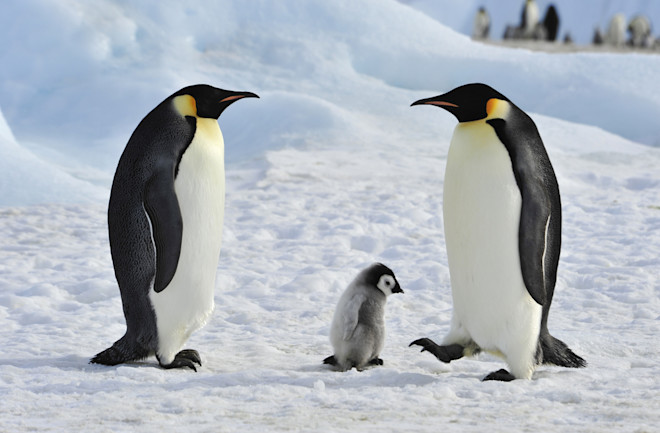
point(119, 353)
point(556, 352)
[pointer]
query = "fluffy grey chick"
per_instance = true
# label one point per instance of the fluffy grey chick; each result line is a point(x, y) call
point(358, 327)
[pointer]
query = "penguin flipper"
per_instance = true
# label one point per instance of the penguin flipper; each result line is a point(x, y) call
point(539, 235)
point(163, 211)
point(533, 244)
point(351, 315)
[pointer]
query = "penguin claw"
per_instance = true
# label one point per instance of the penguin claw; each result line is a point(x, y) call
point(501, 375)
point(184, 359)
point(191, 355)
point(376, 361)
point(331, 360)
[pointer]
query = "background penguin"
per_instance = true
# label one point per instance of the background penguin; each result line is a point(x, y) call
point(598, 38)
point(551, 23)
point(529, 19)
point(502, 217)
point(639, 30)
point(165, 224)
point(481, 26)
point(358, 326)
point(616, 32)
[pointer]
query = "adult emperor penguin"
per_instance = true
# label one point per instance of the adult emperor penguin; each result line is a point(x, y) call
point(481, 25)
point(165, 224)
point(357, 333)
point(529, 19)
point(616, 32)
point(502, 219)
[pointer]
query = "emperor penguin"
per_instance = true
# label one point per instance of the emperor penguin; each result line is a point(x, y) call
point(616, 32)
point(165, 219)
point(551, 23)
point(481, 26)
point(640, 32)
point(502, 222)
point(357, 333)
point(529, 19)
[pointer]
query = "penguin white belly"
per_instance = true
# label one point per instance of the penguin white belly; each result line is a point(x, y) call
point(481, 209)
point(186, 303)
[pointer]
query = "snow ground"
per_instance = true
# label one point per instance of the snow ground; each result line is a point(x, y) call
point(329, 171)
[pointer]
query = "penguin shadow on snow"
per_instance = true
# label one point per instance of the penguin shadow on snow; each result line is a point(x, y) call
point(70, 362)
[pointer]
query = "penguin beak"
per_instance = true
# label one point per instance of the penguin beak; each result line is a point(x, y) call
point(434, 101)
point(397, 289)
point(238, 95)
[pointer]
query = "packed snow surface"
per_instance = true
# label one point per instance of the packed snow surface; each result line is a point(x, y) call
point(329, 171)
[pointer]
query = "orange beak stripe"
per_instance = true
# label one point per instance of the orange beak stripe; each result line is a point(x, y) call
point(231, 98)
point(441, 103)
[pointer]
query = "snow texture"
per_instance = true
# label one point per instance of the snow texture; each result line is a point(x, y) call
point(329, 171)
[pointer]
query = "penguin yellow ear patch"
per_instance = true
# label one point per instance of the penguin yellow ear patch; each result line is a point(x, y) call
point(491, 106)
point(497, 108)
point(185, 105)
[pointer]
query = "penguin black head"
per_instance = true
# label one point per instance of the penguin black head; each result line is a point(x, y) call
point(467, 103)
point(381, 277)
point(208, 101)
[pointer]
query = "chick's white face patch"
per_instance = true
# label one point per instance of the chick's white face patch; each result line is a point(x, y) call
point(386, 283)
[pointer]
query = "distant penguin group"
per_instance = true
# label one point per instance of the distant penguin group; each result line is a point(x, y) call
point(502, 220)
point(531, 26)
point(638, 31)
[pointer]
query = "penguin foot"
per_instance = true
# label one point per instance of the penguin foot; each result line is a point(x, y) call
point(190, 354)
point(501, 375)
point(556, 352)
point(185, 358)
point(330, 360)
point(376, 361)
point(443, 353)
point(110, 356)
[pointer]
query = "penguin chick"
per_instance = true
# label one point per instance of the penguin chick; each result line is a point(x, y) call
point(165, 220)
point(358, 326)
point(502, 221)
